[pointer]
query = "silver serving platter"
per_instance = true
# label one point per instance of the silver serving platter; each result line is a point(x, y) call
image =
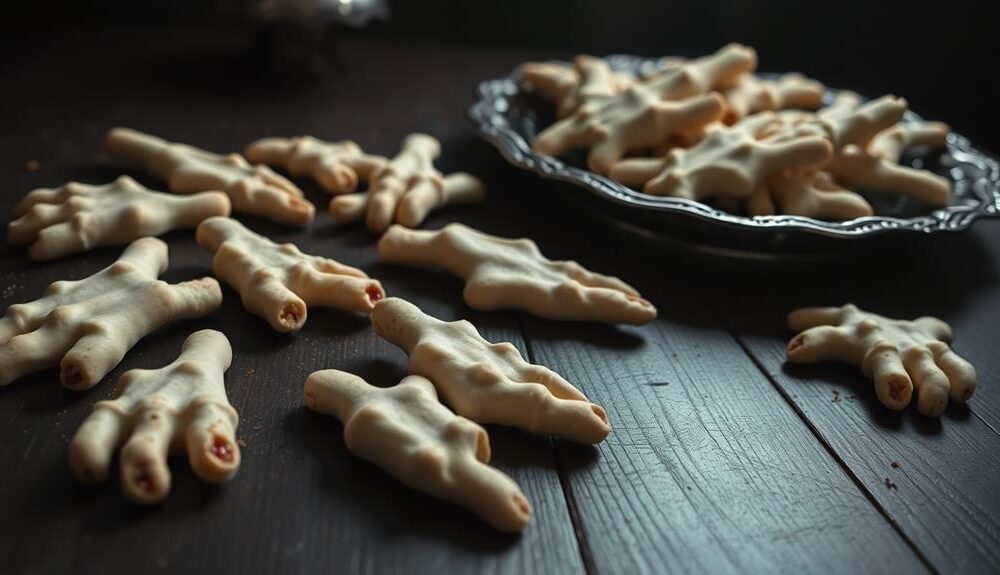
point(509, 117)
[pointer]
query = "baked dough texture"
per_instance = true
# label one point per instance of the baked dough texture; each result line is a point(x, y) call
point(254, 190)
point(513, 274)
point(92, 323)
point(899, 355)
point(337, 166)
point(488, 382)
point(78, 217)
point(181, 406)
point(406, 431)
point(730, 161)
point(279, 282)
point(408, 188)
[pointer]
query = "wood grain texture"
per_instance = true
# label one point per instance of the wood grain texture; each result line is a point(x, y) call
point(706, 468)
point(300, 503)
point(937, 479)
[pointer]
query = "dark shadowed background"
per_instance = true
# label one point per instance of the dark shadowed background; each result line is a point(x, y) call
point(942, 56)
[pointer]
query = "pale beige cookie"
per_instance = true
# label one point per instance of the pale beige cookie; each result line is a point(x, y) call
point(858, 169)
point(278, 282)
point(513, 274)
point(407, 189)
point(91, 323)
point(570, 87)
point(254, 190)
point(890, 144)
point(488, 382)
point(731, 161)
point(77, 217)
point(407, 432)
point(718, 72)
point(645, 115)
point(807, 193)
point(842, 125)
point(336, 166)
point(899, 355)
point(634, 119)
point(181, 406)
point(753, 94)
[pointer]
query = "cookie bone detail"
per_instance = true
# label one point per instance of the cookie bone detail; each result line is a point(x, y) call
point(899, 355)
point(279, 282)
point(513, 274)
point(255, 190)
point(182, 404)
point(92, 323)
point(488, 382)
point(406, 431)
point(77, 217)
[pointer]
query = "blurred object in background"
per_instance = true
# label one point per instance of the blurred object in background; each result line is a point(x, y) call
point(292, 36)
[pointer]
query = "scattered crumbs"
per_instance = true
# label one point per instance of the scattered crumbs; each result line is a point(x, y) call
point(240, 442)
point(895, 465)
point(890, 484)
point(836, 396)
point(32, 166)
point(257, 427)
point(850, 397)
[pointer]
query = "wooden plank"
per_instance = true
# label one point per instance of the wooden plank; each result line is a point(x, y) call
point(937, 479)
point(300, 503)
point(707, 468)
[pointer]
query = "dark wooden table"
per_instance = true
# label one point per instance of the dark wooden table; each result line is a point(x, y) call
point(721, 458)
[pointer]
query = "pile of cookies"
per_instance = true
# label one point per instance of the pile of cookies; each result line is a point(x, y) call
point(708, 130)
point(427, 430)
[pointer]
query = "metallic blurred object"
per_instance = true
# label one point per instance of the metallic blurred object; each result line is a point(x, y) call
point(354, 13)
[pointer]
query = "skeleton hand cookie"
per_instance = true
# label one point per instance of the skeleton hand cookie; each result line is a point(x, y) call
point(253, 190)
point(899, 355)
point(93, 322)
point(570, 87)
point(875, 167)
point(721, 71)
point(180, 406)
point(513, 274)
point(407, 189)
point(808, 193)
point(636, 118)
point(754, 95)
point(78, 217)
point(337, 166)
point(277, 282)
point(406, 431)
point(488, 382)
point(731, 161)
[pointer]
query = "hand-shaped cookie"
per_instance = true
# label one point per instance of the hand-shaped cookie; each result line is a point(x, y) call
point(488, 382)
point(875, 167)
point(407, 432)
point(890, 144)
point(407, 188)
point(731, 161)
point(513, 274)
point(182, 405)
point(253, 190)
point(807, 193)
point(337, 166)
point(719, 72)
point(92, 323)
point(570, 87)
point(635, 118)
point(754, 95)
point(899, 355)
point(77, 217)
point(277, 282)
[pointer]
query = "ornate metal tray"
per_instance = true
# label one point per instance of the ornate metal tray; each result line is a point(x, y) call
point(509, 118)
